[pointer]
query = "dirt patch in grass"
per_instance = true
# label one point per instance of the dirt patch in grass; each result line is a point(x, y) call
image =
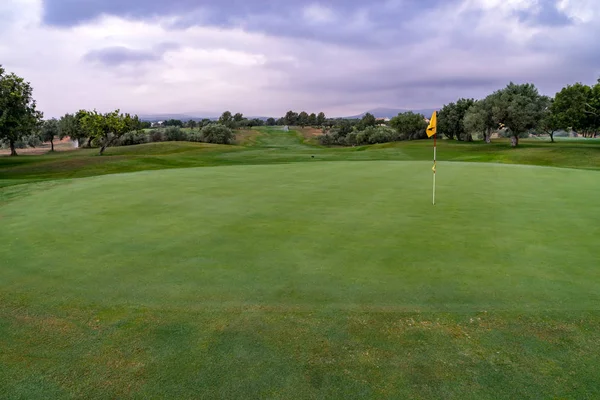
point(59, 145)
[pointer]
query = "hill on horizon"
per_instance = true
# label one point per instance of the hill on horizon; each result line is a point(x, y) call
point(383, 112)
point(380, 112)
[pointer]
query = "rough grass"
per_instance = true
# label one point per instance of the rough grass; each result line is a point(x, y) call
point(273, 146)
point(303, 280)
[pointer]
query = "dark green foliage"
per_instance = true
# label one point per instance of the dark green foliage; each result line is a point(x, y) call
point(71, 126)
point(291, 118)
point(479, 118)
point(226, 119)
point(271, 122)
point(175, 134)
point(370, 135)
point(451, 119)
point(321, 118)
point(409, 126)
point(550, 122)
point(217, 134)
point(519, 108)
point(135, 137)
point(578, 107)
point(19, 116)
point(312, 119)
point(368, 120)
point(157, 135)
point(303, 119)
point(174, 122)
point(50, 130)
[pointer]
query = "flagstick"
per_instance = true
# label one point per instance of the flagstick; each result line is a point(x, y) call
point(434, 161)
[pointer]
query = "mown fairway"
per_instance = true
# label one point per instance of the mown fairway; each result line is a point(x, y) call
point(300, 280)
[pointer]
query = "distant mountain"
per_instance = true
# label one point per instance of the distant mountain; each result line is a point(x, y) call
point(186, 117)
point(182, 117)
point(392, 112)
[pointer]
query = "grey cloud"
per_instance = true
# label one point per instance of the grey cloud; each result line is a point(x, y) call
point(120, 55)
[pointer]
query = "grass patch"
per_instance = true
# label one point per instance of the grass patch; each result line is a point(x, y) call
point(302, 281)
point(298, 273)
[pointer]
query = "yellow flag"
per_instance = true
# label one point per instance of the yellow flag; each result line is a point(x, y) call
point(433, 169)
point(432, 128)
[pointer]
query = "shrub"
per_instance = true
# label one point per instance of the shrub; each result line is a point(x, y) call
point(351, 139)
point(132, 138)
point(195, 137)
point(175, 134)
point(157, 135)
point(217, 134)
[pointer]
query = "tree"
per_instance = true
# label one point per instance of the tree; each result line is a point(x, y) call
point(217, 133)
point(18, 114)
point(569, 107)
point(50, 130)
point(271, 121)
point(105, 128)
point(238, 117)
point(174, 122)
point(367, 120)
point(409, 125)
point(321, 118)
point(451, 119)
point(303, 119)
point(550, 121)
point(226, 119)
point(479, 118)
point(312, 119)
point(191, 124)
point(291, 118)
point(519, 108)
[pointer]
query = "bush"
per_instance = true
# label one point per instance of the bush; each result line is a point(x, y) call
point(195, 137)
point(175, 134)
point(132, 138)
point(217, 134)
point(371, 135)
point(157, 135)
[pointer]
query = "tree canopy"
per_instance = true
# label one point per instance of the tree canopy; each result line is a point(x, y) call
point(18, 113)
point(50, 131)
point(409, 125)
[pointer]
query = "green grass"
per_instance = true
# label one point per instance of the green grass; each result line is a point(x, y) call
point(275, 275)
point(273, 146)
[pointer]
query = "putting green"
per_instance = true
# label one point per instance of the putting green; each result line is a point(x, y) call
point(336, 234)
point(221, 277)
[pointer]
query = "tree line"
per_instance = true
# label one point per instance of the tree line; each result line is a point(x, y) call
point(515, 111)
point(238, 121)
point(520, 110)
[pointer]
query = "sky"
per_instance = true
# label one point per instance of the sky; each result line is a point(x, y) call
point(264, 57)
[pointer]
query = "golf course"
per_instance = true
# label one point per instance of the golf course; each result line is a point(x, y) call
point(278, 268)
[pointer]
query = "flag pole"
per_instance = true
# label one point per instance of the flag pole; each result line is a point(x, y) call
point(432, 131)
point(434, 162)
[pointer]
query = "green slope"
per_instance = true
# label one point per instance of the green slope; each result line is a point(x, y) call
point(305, 280)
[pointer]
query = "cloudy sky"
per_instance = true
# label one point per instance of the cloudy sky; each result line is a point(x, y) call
point(263, 57)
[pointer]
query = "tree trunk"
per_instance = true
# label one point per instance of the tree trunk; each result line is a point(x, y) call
point(13, 150)
point(89, 143)
point(106, 144)
point(552, 137)
point(514, 141)
point(51, 145)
